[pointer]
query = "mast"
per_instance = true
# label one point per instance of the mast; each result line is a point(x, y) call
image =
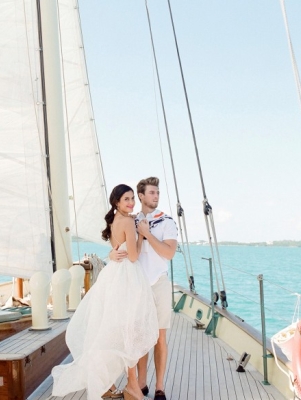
point(56, 134)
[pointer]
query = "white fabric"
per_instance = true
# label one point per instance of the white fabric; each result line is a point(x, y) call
point(87, 191)
point(114, 325)
point(163, 227)
point(24, 206)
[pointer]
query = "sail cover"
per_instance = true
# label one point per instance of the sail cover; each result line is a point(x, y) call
point(87, 191)
point(24, 206)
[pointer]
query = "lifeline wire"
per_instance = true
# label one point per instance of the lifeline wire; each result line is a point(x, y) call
point(180, 210)
point(207, 207)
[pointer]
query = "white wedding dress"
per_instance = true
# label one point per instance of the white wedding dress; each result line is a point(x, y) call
point(114, 325)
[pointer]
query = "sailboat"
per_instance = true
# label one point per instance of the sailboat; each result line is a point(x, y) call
point(52, 182)
point(25, 98)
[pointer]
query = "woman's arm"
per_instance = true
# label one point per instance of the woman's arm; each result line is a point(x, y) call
point(139, 243)
point(130, 237)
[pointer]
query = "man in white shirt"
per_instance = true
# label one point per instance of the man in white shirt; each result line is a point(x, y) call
point(158, 247)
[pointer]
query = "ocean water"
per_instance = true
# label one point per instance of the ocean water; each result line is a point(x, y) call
point(241, 265)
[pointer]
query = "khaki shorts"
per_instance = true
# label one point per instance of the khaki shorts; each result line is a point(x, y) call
point(163, 298)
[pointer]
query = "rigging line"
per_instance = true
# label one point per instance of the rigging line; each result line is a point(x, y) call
point(212, 253)
point(272, 311)
point(68, 136)
point(216, 247)
point(51, 203)
point(162, 103)
point(161, 147)
point(183, 252)
point(187, 102)
point(52, 207)
point(165, 123)
point(46, 144)
point(103, 183)
point(35, 101)
point(292, 53)
point(206, 204)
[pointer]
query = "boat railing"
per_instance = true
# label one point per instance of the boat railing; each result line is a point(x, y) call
point(254, 299)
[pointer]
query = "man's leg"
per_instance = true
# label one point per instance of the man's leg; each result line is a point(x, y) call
point(160, 358)
point(142, 371)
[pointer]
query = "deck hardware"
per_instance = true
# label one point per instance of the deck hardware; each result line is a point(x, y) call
point(180, 304)
point(215, 297)
point(199, 324)
point(27, 361)
point(243, 361)
point(191, 285)
point(223, 296)
point(211, 327)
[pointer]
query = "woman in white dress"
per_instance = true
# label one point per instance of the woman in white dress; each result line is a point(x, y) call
point(116, 322)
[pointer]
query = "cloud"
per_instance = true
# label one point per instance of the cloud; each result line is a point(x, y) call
point(221, 216)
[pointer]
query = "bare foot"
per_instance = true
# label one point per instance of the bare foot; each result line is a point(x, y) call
point(134, 391)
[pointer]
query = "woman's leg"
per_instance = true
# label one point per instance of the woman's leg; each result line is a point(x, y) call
point(132, 386)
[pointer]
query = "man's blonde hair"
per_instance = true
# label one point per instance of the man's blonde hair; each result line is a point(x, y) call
point(141, 186)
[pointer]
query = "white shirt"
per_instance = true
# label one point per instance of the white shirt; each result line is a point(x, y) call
point(163, 227)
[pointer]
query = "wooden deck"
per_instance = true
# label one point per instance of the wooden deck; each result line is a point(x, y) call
point(198, 368)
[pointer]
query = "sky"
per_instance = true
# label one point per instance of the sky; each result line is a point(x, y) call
point(244, 106)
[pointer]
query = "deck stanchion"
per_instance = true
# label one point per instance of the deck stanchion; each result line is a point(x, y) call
point(212, 299)
point(264, 348)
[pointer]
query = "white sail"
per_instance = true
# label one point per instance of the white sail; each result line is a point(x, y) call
point(87, 192)
point(24, 207)
point(25, 238)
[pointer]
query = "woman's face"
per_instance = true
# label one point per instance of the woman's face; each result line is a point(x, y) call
point(126, 203)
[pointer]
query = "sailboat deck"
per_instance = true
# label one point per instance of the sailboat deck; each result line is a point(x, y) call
point(198, 367)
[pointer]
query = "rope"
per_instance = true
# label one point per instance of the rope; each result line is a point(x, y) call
point(207, 207)
point(169, 146)
point(293, 58)
point(161, 147)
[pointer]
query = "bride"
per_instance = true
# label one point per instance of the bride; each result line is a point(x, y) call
point(116, 322)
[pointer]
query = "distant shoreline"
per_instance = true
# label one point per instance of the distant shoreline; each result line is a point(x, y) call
point(275, 243)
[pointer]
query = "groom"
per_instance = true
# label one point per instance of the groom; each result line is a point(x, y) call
point(159, 246)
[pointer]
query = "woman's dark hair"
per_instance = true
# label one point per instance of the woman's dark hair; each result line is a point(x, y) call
point(115, 197)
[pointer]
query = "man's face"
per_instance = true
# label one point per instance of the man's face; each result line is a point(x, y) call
point(151, 196)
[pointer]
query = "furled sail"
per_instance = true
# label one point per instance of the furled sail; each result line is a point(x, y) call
point(87, 191)
point(24, 206)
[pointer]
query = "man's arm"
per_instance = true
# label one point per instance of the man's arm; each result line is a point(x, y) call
point(166, 248)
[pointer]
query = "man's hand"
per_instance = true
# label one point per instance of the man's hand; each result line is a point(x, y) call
point(117, 255)
point(143, 227)
point(165, 248)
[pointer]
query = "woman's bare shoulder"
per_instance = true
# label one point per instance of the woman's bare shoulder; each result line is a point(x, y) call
point(129, 221)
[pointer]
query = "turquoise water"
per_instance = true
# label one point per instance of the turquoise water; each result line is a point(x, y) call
point(280, 266)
